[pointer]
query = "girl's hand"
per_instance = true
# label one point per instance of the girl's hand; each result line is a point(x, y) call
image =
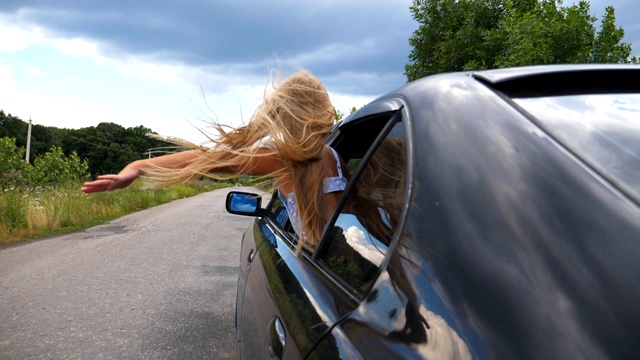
point(111, 182)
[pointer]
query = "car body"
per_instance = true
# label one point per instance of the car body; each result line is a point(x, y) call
point(490, 214)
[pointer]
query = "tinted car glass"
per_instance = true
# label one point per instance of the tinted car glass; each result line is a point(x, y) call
point(603, 129)
point(280, 218)
point(358, 240)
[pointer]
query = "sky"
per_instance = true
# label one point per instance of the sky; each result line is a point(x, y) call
point(169, 65)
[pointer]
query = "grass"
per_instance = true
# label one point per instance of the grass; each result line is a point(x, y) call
point(27, 214)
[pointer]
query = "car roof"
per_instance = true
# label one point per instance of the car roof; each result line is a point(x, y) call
point(528, 82)
point(521, 81)
point(496, 76)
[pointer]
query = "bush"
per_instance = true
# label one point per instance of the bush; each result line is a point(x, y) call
point(54, 168)
point(51, 169)
point(12, 165)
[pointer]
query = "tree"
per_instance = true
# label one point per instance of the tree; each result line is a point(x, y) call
point(12, 164)
point(108, 147)
point(49, 169)
point(13, 127)
point(54, 168)
point(458, 35)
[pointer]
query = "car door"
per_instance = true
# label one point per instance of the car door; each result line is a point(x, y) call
point(357, 246)
point(285, 310)
point(290, 303)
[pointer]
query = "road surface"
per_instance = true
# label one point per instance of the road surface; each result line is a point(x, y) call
point(157, 284)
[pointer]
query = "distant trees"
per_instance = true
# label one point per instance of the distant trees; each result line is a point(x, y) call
point(108, 147)
point(339, 115)
point(457, 35)
point(68, 153)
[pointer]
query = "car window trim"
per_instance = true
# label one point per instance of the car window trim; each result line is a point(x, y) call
point(345, 288)
point(408, 186)
point(275, 225)
point(395, 118)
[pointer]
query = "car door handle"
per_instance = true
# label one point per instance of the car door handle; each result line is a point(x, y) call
point(277, 338)
point(252, 254)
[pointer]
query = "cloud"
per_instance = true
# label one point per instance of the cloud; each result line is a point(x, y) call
point(7, 81)
point(365, 244)
point(16, 38)
point(194, 55)
point(327, 37)
point(33, 71)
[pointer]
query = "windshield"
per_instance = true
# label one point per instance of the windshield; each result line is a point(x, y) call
point(603, 129)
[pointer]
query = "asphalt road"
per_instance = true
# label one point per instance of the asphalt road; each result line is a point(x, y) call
point(157, 284)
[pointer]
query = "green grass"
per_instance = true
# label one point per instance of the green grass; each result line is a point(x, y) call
point(35, 213)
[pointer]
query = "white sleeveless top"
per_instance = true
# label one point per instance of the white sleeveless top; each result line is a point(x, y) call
point(330, 185)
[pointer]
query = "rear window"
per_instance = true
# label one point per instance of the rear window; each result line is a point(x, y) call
point(602, 129)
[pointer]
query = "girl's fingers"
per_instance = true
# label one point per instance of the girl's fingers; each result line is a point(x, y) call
point(107, 177)
point(96, 186)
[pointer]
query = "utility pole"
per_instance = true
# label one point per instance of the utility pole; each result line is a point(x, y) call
point(28, 140)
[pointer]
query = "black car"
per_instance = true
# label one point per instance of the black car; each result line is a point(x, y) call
point(489, 215)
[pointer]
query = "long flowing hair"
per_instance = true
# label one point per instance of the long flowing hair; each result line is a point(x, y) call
point(378, 197)
point(292, 123)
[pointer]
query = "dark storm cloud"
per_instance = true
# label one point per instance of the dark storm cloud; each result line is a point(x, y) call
point(355, 47)
point(365, 39)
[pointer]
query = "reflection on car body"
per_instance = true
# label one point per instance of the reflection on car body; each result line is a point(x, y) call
point(492, 214)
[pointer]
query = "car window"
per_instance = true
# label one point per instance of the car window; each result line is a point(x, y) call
point(277, 213)
point(603, 129)
point(351, 143)
point(357, 241)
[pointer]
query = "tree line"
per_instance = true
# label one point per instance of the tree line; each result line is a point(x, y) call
point(106, 148)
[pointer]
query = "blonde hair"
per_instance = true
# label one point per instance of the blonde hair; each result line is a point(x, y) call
point(381, 188)
point(292, 123)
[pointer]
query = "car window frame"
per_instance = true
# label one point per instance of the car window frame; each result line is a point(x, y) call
point(399, 115)
point(284, 232)
point(290, 237)
point(395, 115)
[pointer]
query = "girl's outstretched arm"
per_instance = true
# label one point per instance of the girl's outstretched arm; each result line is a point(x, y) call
point(132, 171)
point(259, 165)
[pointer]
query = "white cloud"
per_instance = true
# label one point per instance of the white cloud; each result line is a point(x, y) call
point(345, 102)
point(170, 95)
point(78, 47)
point(365, 244)
point(444, 342)
point(140, 89)
point(149, 67)
point(33, 71)
point(334, 52)
point(7, 80)
point(17, 38)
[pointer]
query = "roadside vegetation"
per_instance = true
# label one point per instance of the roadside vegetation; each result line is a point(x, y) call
point(44, 198)
point(30, 213)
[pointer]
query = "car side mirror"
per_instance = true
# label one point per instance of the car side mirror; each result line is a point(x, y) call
point(242, 203)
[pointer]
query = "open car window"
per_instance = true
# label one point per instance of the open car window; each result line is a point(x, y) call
point(276, 212)
point(352, 144)
point(356, 241)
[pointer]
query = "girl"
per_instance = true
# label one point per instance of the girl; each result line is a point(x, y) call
point(285, 139)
